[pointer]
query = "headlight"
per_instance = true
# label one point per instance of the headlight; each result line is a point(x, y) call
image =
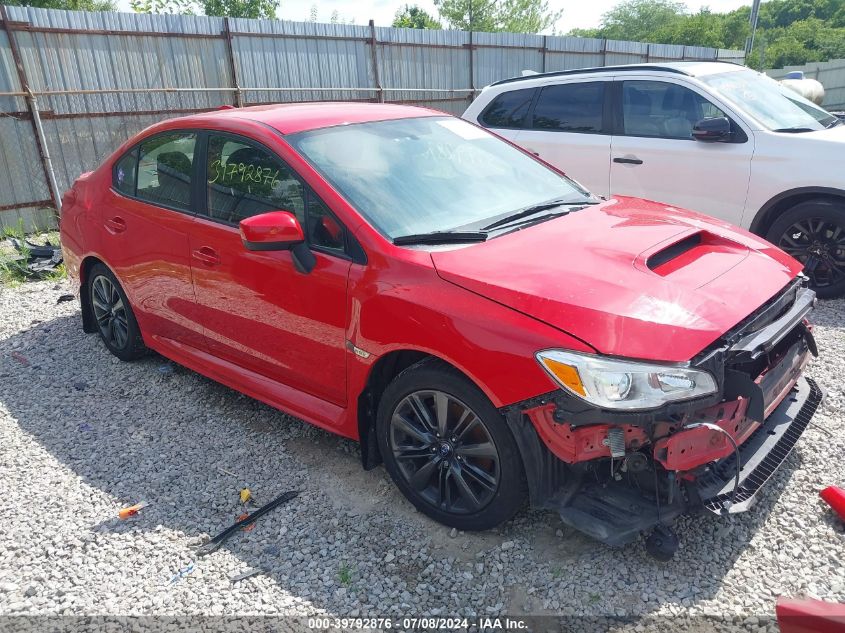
point(619, 384)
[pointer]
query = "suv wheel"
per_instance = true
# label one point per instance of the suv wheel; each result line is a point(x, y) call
point(448, 449)
point(113, 315)
point(814, 233)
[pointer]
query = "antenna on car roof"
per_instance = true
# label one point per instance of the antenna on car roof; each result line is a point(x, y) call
point(528, 73)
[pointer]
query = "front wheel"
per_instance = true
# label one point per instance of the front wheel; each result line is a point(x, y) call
point(448, 449)
point(813, 232)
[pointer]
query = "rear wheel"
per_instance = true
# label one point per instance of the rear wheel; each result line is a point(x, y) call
point(113, 315)
point(814, 233)
point(448, 449)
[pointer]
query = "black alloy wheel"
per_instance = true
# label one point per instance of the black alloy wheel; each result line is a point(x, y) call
point(814, 234)
point(444, 452)
point(108, 305)
point(820, 245)
point(109, 312)
point(448, 449)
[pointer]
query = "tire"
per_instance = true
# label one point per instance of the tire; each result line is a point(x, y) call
point(814, 233)
point(482, 483)
point(113, 315)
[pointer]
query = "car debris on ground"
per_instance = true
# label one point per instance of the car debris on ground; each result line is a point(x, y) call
point(41, 260)
point(243, 522)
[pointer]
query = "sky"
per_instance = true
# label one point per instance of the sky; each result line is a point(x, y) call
point(576, 13)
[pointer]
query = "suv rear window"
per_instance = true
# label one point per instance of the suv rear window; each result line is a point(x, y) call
point(508, 110)
point(573, 107)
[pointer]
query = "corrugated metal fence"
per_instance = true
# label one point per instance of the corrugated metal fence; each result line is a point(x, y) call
point(831, 74)
point(90, 80)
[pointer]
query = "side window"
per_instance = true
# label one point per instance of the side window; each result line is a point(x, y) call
point(323, 229)
point(125, 172)
point(663, 110)
point(508, 110)
point(164, 169)
point(245, 180)
point(573, 107)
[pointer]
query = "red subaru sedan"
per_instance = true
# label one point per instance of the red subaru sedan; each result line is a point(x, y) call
point(481, 324)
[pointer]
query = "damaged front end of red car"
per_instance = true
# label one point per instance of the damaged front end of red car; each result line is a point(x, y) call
point(616, 474)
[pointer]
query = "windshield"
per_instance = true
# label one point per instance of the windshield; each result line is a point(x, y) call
point(775, 106)
point(419, 175)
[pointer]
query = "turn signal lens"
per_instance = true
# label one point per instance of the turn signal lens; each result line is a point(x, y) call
point(567, 375)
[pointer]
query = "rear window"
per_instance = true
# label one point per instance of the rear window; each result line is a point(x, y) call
point(164, 169)
point(574, 107)
point(508, 110)
point(125, 173)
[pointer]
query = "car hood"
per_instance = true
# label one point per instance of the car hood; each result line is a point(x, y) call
point(629, 277)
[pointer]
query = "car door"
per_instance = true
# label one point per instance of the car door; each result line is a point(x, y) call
point(654, 155)
point(569, 127)
point(258, 311)
point(146, 218)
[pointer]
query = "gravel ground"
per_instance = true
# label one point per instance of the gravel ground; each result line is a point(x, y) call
point(84, 434)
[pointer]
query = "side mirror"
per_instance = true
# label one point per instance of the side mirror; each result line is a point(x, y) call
point(278, 231)
point(712, 130)
point(273, 231)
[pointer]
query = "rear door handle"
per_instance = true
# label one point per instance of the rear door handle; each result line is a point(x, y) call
point(628, 161)
point(116, 224)
point(206, 255)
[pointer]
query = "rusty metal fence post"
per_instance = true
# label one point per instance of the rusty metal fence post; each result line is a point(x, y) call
point(374, 57)
point(35, 116)
point(233, 65)
point(471, 65)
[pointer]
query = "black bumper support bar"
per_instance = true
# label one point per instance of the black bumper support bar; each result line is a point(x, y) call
point(762, 453)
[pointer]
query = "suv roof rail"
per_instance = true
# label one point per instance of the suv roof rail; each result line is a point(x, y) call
point(577, 71)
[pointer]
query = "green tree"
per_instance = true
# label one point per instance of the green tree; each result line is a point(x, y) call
point(162, 6)
point(788, 31)
point(256, 9)
point(414, 17)
point(71, 5)
point(641, 20)
point(515, 16)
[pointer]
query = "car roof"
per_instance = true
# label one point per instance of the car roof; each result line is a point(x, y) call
point(290, 118)
point(689, 68)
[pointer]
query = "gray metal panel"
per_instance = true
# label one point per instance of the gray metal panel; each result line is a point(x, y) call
point(428, 65)
point(71, 61)
point(21, 175)
point(626, 52)
point(28, 219)
point(9, 78)
point(567, 53)
point(666, 52)
point(502, 55)
point(326, 56)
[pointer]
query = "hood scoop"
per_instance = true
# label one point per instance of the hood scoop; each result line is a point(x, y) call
point(670, 253)
point(695, 255)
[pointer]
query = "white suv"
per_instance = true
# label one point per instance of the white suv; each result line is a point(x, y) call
point(709, 136)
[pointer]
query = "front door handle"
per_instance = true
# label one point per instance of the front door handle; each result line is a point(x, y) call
point(628, 161)
point(116, 224)
point(206, 255)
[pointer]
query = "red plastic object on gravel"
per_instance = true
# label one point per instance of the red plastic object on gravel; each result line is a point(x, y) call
point(835, 498)
point(810, 616)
